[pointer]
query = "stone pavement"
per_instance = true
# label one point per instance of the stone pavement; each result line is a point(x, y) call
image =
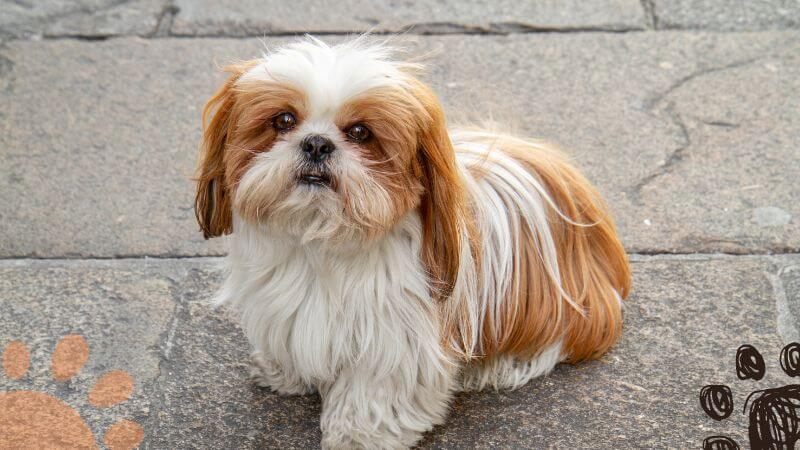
point(685, 114)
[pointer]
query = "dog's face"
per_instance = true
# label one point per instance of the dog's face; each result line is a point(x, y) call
point(329, 142)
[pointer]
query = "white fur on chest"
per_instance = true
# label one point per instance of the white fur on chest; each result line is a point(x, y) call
point(315, 309)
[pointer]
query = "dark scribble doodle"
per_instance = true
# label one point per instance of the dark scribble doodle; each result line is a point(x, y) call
point(774, 414)
point(749, 363)
point(720, 443)
point(790, 359)
point(717, 401)
point(774, 421)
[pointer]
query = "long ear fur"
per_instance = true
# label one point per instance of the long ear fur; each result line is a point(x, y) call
point(212, 200)
point(445, 223)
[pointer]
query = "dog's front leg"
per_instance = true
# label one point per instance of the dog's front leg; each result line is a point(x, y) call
point(365, 409)
point(266, 372)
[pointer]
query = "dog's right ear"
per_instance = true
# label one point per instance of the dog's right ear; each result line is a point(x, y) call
point(212, 205)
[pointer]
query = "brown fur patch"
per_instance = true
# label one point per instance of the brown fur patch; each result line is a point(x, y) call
point(444, 208)
point(389, 114)
point(592, 262)
point(251, 121)
point(237, 125)
point(413, 145)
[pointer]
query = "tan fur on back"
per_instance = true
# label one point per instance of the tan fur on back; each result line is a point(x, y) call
point(593, 267)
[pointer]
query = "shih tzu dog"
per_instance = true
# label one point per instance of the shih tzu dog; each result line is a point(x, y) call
point(385, 261)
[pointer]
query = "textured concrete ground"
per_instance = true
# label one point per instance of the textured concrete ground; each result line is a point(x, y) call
point(683, 112)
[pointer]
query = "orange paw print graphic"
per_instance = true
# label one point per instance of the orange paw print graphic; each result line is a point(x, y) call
point(30, 419)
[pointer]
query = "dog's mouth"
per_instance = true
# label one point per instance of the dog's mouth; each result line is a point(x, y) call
point(315, 178)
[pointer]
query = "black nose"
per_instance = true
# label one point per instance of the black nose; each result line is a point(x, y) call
point(317, 147)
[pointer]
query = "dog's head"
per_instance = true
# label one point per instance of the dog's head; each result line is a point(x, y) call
point(327, 143)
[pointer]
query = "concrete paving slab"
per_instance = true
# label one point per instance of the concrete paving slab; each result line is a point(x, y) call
point(256, 17)
point(85, 18)
point(684, 321)
point(726, 15)
point(687, 134)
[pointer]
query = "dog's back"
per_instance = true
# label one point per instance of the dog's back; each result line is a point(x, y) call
point(550, 272)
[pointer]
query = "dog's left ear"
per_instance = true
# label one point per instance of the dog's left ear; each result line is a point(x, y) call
point(443, 207)
point(212, 200)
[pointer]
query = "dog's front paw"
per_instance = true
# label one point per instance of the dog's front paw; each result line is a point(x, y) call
point(340, 442)
point(371, 425)
point(266, 373)
point(346, 437)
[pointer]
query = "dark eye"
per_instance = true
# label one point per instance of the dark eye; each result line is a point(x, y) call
point(284, 121)
point(358, 133)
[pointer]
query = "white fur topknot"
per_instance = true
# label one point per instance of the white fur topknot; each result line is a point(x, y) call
point(330, 75)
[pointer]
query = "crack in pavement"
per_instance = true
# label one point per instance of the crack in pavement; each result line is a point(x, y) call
point(167, 16)
point(158, 396)
point(676, 157)
point(6, 70)
point(719, 123)
point(656, 99)
point(650, 16)
point(165, 20)
point(679, 153)
point(503, 28)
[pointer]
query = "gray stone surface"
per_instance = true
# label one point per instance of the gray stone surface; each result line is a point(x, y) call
point(100, 139)
point(726, 15)
point(258, 17)
point(684, 321)
point(86, 18)
point(101, 18)
point(690, 136)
